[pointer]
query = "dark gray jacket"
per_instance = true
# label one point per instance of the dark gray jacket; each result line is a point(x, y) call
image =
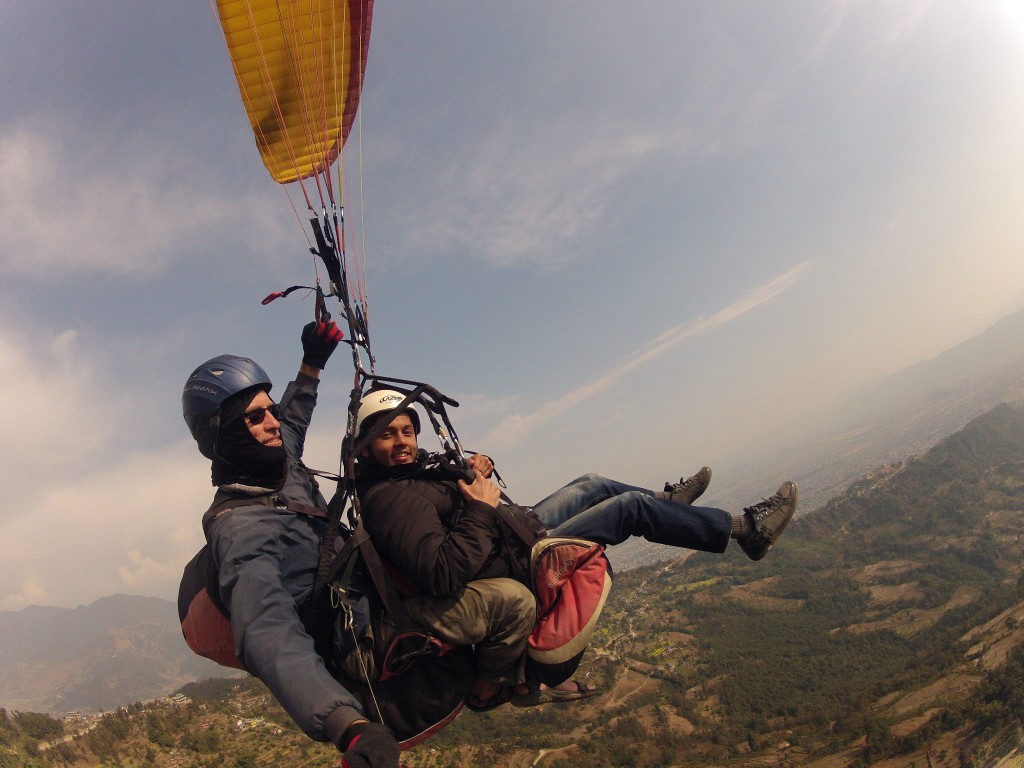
point(266, 560)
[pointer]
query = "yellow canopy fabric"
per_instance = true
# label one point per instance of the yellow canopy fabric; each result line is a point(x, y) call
point(299, 66)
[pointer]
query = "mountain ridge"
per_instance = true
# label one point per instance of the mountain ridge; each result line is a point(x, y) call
point(903, 415)
point(88, 658)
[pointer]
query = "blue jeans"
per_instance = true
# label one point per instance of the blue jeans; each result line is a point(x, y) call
point(602, 510)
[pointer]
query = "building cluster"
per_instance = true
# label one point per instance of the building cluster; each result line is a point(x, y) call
point(256, 723)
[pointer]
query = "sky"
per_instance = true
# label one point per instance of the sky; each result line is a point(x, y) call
point(630, 239)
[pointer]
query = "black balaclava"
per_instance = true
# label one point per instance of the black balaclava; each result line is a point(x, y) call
point(240, 457)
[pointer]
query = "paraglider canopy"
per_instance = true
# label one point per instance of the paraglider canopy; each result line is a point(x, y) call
point(299, 66)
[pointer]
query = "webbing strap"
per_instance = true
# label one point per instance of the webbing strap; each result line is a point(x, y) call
point(268, 500)
point(385, 588)
point(360, 542)
point(519, 528)
point(326, 573)
point(306, 509)
point(334, 511)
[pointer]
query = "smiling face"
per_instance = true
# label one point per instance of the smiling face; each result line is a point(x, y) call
point(262, 424)
point(396, 444)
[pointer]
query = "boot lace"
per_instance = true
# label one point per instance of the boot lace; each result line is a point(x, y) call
point(763, 508)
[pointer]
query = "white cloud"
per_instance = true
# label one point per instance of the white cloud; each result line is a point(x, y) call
point(89, 508)
point(833, 14)
point(113, 210)
point(896, 21)
point(51, 409)
point(533, 194)
point(907, 17)
point(26, 592)
point(129, 527)
point(514, 427)
point(92, 507)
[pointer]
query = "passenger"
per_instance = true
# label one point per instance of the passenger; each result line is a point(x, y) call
point(494, 615)
point(447, 538)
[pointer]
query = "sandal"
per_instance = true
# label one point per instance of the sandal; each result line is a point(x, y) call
point(542, 694)
point(476, 704)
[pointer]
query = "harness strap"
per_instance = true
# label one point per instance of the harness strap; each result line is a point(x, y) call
point(344, 559)
point(335, 508)
point(359, 541)
point(306, 509)
point(518, 527)
point(269, 500)
point(385, 587)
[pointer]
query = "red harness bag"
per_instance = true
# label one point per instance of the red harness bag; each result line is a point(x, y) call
point(571, 580)
point(204, 622)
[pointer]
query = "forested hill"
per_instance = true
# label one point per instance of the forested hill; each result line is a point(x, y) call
point(946, 492)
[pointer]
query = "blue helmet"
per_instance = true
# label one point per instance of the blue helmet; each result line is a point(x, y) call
point(206, 389)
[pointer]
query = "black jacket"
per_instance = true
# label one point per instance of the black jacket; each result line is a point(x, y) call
point(421, 524)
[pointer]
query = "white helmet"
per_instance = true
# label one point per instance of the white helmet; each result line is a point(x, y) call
point(383, 400)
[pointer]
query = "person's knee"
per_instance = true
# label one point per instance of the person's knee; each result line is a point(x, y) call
point(505, 602)
point(634, 501)
point(508, 596)
point(633, 513)
point(522, 603)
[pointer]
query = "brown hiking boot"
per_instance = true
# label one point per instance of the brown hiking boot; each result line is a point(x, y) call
point(769, 519)
point(688, 490)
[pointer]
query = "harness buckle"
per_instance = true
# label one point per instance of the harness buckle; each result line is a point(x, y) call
point(339, 602)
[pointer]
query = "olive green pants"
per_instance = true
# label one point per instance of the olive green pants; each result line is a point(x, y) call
point(495, 616)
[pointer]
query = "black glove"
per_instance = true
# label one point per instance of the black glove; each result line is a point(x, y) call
point(370, 745)
point(319, 340)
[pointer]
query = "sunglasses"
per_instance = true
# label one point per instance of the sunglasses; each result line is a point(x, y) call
point(257, 415)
